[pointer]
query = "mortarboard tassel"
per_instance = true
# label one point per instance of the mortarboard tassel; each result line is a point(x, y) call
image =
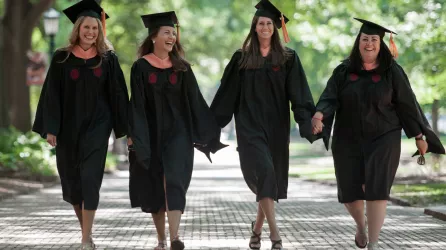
point(178, 32)
point(393, 48)
point(286, 38)
point(103, 23)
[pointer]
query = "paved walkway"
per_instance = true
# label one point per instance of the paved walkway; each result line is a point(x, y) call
point(218, 214)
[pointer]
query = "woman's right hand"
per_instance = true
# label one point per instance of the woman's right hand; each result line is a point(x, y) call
point(316, 123)
point(51, 139)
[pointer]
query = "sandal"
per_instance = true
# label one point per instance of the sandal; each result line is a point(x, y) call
point(176, 244)
point(373, 246)
point(162, 245)
point(88, 246)
point(363, 235)
point(255, 240)
point(274, 244)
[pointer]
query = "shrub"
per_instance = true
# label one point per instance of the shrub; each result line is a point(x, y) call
point(26, 153)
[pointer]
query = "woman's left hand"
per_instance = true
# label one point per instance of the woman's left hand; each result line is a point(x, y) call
point(422, 146)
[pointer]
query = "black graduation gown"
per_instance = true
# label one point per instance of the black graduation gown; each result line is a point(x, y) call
point(80, 105)
point(370, 109)
point(167, 116)
point(260, 101)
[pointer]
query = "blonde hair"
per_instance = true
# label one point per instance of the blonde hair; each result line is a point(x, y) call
point(102, 44)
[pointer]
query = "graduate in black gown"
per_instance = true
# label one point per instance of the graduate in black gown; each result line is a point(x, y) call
point(257, 87)
point(371, 99)
point(167, 116)
point(83, 98)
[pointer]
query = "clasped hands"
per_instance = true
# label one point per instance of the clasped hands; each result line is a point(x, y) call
point(316, 123)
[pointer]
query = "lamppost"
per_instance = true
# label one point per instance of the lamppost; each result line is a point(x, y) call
point(51, 26)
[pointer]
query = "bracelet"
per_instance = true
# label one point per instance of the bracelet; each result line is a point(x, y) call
point(320, 119)
point(421, 138)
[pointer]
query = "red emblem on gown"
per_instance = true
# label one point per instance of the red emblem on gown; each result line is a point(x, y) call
point(173, 78)
point(74, 74)
point(276, 68)
point(353, 77)
point(97, 72)
point(376, 78)
point(152, 78)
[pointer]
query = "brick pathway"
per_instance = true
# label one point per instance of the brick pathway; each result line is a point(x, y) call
point(218, 214)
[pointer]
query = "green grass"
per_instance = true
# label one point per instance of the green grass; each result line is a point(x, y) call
point(421, 194)
point(314, 174)
point(304, 164)
point(409, 144)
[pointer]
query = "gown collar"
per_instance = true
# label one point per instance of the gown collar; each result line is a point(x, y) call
point(158, 62)
point(84, 54)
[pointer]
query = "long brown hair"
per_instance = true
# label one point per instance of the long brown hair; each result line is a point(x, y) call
point(102, 44)
point(179, 63)
point(251, 55)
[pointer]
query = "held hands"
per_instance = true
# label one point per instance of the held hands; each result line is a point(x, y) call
point(316, 123)
point(51, 139)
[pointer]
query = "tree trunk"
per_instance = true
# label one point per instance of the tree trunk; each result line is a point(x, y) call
point(436, 166)
point(15, 75)
point(20, 19)
point(435, 116)
point(4, 116)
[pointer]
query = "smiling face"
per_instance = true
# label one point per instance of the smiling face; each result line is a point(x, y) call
point(88, 32)
point(165, 39)
point(265, 28)
point(369, 46)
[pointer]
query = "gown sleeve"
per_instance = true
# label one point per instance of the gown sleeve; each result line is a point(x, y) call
point(49, 112)
point(137, 120)
point(119, 97)
point(410, 113)
point(205, 130)
point(299, 95)
point(328, 102)
point(226, 100)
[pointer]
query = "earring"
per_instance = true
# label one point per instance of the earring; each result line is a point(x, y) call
point(153, 41)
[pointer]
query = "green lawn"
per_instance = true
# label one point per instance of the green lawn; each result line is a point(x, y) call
point(315, 174)
point(409, 144)
point(312, 162)
point(421, 194)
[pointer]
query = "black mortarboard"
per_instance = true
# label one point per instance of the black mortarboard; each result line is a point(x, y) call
point(371, 28)
point(156, 20)
point(84, 8)
point(266, 9)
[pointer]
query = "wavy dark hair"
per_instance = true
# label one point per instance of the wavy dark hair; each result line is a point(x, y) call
point(251, 55)
point(179, 63)
point(385, 57)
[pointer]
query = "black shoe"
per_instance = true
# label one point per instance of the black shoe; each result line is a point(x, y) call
point(255, 241)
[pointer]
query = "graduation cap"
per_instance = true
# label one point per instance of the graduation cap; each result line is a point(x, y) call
point(266, 9)
point(86, 8)
point(371, 28)
point(156, 20)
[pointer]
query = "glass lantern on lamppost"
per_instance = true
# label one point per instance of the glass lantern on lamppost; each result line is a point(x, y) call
point(51, 26)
